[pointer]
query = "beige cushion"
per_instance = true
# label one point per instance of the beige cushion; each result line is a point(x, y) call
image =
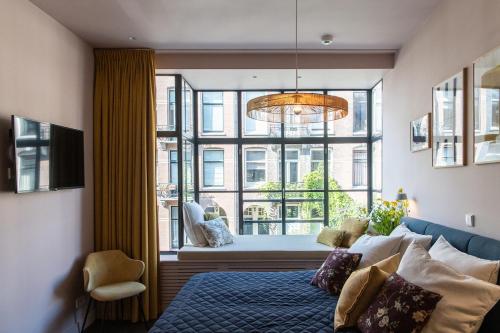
point(360, 289)
point(409, 237)
point(482, 269)
point(117, 291)
point(330, 237)
point(375, 248)
point(260, 247)
point(466, 300)
point(353, 228)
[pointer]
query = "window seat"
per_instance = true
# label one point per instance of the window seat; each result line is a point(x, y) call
point(262, 253)
point(262, 247)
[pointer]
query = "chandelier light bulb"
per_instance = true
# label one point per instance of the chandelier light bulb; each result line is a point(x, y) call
point(297, 109)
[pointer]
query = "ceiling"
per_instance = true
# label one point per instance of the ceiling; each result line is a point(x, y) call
point(227, 79)
point(241, 24)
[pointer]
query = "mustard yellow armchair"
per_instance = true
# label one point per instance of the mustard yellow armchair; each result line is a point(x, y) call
point(111, 276)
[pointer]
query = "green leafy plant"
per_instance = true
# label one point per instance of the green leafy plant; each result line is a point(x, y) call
point(386, 215)
point(340, 204)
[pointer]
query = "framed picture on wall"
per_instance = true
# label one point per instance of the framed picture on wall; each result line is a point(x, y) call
point(448, 121)
point(487, 108)
point(420, 133)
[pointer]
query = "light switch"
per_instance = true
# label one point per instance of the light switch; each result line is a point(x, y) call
point(469, 220)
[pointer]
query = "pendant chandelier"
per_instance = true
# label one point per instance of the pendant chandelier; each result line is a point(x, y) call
point(297, 108)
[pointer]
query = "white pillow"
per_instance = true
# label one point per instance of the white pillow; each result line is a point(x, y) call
point(482, 269)
point(409, 237)
point(375, 248)
point(466, 300)
point(193, 216)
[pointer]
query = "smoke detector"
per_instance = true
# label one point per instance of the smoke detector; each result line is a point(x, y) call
point(327, 39)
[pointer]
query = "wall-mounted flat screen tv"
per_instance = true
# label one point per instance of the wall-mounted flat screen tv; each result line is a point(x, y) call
point(47, 157)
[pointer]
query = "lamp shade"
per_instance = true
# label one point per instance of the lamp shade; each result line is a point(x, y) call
point(401, 197)
point(491, 79)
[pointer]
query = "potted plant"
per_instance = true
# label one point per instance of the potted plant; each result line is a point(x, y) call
point(386, 215)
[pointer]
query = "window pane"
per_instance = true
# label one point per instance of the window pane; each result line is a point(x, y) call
point(187, 169)
point(261, 167)
point(187, 110)
point(377, 109)
point(355, 123)
point(342, 205)
point(224, 204)
point(347, 166)
point(218, 166)
point(167, 194)
point(262, 218)
point(304, 167)
point(165, 103)
point(255, 127)
point(217, 113)
point(305, 130)
point(377, 165)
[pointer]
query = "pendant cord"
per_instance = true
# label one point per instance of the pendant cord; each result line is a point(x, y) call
point(296, 48)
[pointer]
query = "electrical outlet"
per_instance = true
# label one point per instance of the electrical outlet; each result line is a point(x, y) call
point(469, 220)
point(80, 301)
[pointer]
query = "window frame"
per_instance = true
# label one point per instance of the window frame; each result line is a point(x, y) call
point(241, 138)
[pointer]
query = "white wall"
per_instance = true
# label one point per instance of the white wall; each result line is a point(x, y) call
point(46, 73)
point(457, 33)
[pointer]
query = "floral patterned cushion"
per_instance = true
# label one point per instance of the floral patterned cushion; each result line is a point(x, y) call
point(335, 270)
point(216, 232)
point(399, 307)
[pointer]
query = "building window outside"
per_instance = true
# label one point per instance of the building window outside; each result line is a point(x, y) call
point(174, 173)
point(171, 107)
point(316, 159)
point(174, 227)
point(212, 111)
point(213, 168)
point(255, 166)
point(359, 165)
point(360, 111)
point(493, 99)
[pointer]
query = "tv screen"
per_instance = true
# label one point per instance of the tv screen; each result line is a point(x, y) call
point(47, 157)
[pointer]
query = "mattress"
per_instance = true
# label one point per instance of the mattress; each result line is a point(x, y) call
point(249, 302)
point(261, 247)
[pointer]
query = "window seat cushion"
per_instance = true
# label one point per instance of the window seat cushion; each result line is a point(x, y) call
point(261, 247)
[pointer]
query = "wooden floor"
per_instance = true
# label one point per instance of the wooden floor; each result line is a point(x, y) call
point(118, 327)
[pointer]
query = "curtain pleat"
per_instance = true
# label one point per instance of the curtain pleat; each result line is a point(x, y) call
point(124, 164)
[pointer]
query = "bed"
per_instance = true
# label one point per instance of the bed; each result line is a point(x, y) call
point(285, 301)
point(249, 302)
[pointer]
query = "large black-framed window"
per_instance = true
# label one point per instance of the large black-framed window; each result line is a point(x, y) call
point(286, 180)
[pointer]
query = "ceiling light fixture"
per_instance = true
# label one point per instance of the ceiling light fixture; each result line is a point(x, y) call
point(132, 38)
point(326, 39)
point(297, 108)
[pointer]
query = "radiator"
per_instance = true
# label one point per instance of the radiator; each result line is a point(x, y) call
point(174, 273)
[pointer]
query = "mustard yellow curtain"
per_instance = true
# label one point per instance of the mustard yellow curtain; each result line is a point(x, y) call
point(124, 163)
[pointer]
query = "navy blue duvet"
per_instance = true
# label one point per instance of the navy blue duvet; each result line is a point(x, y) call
point(249, 302)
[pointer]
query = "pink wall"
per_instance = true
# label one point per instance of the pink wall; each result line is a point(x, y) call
point(457, 33)
point(46, 73)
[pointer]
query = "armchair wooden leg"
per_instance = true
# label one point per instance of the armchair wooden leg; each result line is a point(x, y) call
point(141, 308)
point(103, 316)
point(86, 314)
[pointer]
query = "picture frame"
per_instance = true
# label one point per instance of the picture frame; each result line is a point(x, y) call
point(449, 100)
point(420, 133)
point(486, 116)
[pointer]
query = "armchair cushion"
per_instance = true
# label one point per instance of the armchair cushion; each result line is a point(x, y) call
point(117, 291)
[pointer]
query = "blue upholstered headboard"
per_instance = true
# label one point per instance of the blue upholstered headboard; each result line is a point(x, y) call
point(479, 246)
